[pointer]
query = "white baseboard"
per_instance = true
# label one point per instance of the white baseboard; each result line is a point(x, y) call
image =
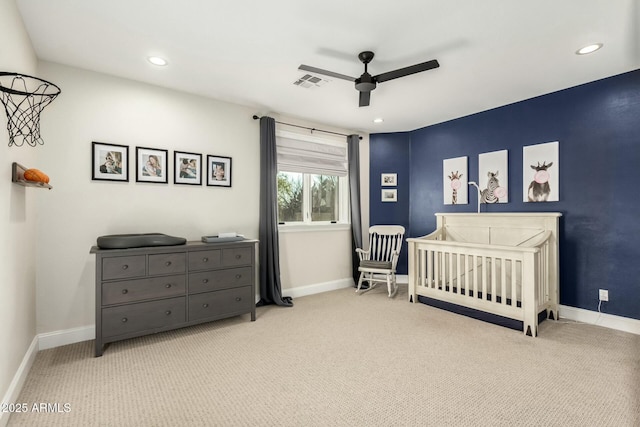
point(317, 288)
point(11, 396)
point(610, 321)
point(65, 337)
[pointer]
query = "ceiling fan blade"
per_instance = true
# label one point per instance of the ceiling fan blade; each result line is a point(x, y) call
point(407, 71)
point(365, 97)
point(325, 73)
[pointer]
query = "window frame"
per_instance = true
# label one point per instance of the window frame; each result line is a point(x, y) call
point(344, 220)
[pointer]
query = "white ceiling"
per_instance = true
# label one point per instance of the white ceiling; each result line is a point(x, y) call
point(491, 52)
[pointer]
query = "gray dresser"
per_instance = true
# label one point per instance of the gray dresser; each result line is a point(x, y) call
point(143, 291)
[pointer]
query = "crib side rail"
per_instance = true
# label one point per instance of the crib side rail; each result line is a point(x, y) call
point(511, 281)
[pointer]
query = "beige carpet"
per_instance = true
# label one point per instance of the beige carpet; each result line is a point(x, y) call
point(343, 359)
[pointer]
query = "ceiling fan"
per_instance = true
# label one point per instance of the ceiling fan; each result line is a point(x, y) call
point(366, 82)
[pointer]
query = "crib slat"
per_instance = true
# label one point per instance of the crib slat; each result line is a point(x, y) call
point(466, 274)
point(474, 274)
point(434, 269)
point(443, 270)
point(450, 278)
point(438, 273)
point(514, 281)
point(503, 280)
point(458, 283)
point(494, 280)
point(423, 272)
point(430, 268)
point(483, 269)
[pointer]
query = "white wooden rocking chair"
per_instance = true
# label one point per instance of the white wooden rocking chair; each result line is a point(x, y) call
point(378, 264)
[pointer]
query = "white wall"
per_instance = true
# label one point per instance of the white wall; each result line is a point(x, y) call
point(17, 217)
point(317, 260)
point(97, 107)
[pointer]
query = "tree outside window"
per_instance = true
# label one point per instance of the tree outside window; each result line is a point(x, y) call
point(305, 198)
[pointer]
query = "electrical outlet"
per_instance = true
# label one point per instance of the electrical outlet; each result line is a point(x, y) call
point(603, 295)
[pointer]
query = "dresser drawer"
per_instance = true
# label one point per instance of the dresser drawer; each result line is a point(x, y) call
point(167, 263)
point(236, 256)
point(220, 303)
point(140, 289)
point(206, 281)
point(123, 266)
point(202, 260)
point(131, 318)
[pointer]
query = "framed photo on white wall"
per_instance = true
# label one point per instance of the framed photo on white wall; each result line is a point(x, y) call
point(187, 168)
point(151, 165)
point(110, 162)
point(219, 171)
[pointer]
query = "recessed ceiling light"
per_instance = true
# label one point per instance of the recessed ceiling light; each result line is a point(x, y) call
point(156, 60)
point(378, 120)
point(589, 49)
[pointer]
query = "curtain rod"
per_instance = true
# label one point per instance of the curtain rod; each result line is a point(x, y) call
point(304, 127)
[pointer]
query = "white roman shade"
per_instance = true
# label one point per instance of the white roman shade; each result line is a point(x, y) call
point(295, 155)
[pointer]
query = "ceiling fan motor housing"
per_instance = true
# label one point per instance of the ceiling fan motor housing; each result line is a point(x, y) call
point(365, 83)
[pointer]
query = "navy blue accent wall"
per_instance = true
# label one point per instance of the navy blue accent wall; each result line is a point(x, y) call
point(389, 153)
point(598, 129)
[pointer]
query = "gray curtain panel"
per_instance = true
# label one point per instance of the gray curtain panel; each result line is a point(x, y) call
point(270, 285)
point(353, 142)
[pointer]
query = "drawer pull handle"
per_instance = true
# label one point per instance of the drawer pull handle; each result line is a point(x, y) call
point(238, 276)
point(205, 305)
point(125, 291)
point(124, 267)
point(124, 320)
point(168, 312)
point(205, 280)
point(205, 259)
point(238, 299)
point(168, 285)
point(238, 256)
point(168, 263)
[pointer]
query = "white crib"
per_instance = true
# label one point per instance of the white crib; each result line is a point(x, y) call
point(500, 263)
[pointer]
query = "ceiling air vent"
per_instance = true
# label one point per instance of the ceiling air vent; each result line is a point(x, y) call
point(309, 81)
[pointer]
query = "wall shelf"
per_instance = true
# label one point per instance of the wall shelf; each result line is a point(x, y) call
point(17, 177)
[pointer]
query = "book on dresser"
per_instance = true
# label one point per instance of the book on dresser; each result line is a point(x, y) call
point(141, 291)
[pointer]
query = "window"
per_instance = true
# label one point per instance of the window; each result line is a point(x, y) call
point(312, 181)
point(290, 199)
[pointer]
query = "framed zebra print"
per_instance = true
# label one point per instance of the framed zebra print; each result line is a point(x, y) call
point(493, 177)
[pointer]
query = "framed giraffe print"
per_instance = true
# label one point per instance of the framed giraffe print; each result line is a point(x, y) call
point(540, 172)
point(454, 180)
point(493, 177)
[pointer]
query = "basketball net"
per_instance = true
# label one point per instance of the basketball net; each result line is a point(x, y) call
point(24, 97)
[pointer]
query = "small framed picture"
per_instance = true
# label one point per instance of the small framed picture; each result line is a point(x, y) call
point(219, 171)
point(151, 165)
point(110, 162)
point(389, 195)
point(187, 168)
point(389, 179)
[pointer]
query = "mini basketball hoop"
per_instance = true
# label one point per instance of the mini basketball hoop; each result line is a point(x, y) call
point(24, 97)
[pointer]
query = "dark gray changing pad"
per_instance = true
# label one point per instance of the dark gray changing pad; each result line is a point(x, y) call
point(125, 241)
